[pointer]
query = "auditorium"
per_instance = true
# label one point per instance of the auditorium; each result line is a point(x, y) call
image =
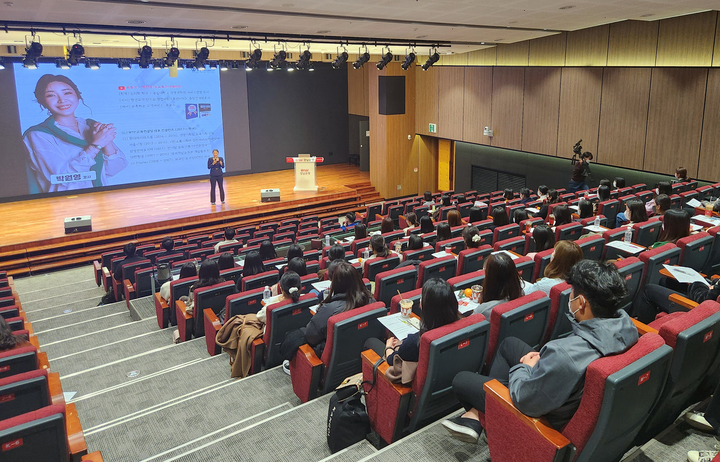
point(359, 231)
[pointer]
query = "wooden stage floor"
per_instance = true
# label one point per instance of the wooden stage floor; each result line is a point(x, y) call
point(42, 219)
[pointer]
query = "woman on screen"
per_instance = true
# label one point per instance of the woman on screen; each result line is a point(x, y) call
point(69, 152)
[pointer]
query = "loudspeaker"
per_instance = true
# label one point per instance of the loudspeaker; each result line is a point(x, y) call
point(391, 94)
point(78, 224)
point(270, 195)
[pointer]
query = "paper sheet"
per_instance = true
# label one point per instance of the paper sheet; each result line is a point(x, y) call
point(693, 203)
point(320, 286)
point(441, 254)
point(595, 229)
point(709, 221)
point(625, 247)
point(532, 210)
point(685, 275)
point(399, 326)
point(513, 256)
point(465, 305)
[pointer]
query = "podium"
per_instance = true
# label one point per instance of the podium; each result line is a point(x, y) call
point(305, 171)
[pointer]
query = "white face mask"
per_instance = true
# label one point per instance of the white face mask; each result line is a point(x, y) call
point(552, 255)
point(572, 313)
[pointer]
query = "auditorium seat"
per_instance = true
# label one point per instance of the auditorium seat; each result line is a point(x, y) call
point(26, 358)
point(457, 244)
point(232, 274)
point(467, 280)
point(484, 225)
point(667, 254)
point(533, 223)
point(695, 250)
point(347, 333)
point(28, 392)
point(267, 278)
point(470, 260)
point(558, 323)
point(213, 297)
point(443, 268)
point(232, 248)
point(421, 254)
point(620, 391)
point(568, 232)
point(632, 270)
point(7, 301)
point(704, 192)
point(170, 258)
point(609, 209)
point(373, 266)
point(142, 287)
point(128, 273)
point(542, 259)
point(370, 213)
point(8, 312)
point(197, 240)
point(713, 263)
point(592, 247)
point(646, 233)
point(591, 221)
point(526, 267)
point(357, 245)
point(396, 410)
point(280, 318)
point(525, 318)
point(414, 295)
point(502, 233)
point(645, 196)
point(201, 254)
point(389, 283)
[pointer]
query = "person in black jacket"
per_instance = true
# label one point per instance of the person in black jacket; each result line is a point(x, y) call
point(130, 257)
point(216, 165)
point(655, 298)
point(347, 292)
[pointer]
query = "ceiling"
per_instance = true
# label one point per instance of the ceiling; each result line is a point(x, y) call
point(465, 25)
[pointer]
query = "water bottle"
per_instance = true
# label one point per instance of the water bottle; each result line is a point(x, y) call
point(327, 241)
point(628, 235)
point(366, 253)
point(597, 221)
point(267, 293)
point(398, 246)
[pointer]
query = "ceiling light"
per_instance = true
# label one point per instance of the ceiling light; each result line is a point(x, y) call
point(362, 59)
point(171, 56)
point(76, 52)
point(32, 53)
point(223, 66)
point(145, 55)
point(62, 64)
point(135, 21)
point(435, 57)
point(303, 63)
point(278, 59)
point(93, 64)
point(254, 60)
point(201, 56)
point(409, 59)
point(213, 66)
point(340, 60)
point(386, 58)
point(124, 64)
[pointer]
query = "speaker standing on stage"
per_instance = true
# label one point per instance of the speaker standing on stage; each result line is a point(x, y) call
point(216, 165)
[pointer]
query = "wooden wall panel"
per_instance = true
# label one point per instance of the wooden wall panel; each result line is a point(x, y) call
point(540, 110)
point(623, 117)
point(366, 86)
point(456, 59)
point(548, 51)
point(484, 57)
point(451, 86)
point(580, 92)
point(716, 49)
point(426, 99)
point(357, 91)
point(587, 47)
point(513, 54)
point(378, 140)
point(632, 43)
point(400, 161)
point(507, 107)
point(477, 104)
point(709, 168)
point(675, 119)
point(687, 40)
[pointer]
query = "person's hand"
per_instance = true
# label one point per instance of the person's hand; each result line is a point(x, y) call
point(530, 359)
point(392, 342)
point(103, 134)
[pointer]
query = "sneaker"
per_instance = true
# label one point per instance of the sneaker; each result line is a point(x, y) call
point(286, 367)
point(223, 202)
point(697, 420)
point(212, 203)
point(463, 429)
point(701, 456)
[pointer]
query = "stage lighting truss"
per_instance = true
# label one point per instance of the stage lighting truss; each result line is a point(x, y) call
point(124, 64)
point(62, 64)
point(362, 58)
point(409, 59)
point(385, 60)
point(145, 56)
point(91, 63)
point(224, 65)
point(434, 57)
point(342, 57)
point(33, 51)
point(201, 56)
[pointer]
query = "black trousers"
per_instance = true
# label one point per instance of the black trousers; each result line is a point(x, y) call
point(468, 386)
point(712, 413)
point(652, 300)
point(219, 181)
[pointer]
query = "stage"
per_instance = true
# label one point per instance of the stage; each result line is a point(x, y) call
point(36, 227)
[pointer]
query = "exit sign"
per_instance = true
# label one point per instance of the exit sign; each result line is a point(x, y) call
point(432, 128)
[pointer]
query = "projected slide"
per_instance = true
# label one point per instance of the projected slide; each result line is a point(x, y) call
point(86, 128)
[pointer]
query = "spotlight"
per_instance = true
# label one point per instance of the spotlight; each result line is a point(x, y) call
point(435, 57)
point(62, 64)
point(254, 60)
point(172, 55)
point(409, 59)
point(362, 59)
point(386, 58)
point(223, 65)
point(76, 52)
point(340, 60)
point(124, 64)
point(145, 54)
point(32, 53)
point(234, 65)
point(2, 64)
point(213, 66)
point(303, 63)
point(93, 64)
point(159, 64)
point(200, 57)
point(278, 60)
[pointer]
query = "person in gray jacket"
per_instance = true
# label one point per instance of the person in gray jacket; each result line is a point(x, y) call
point(550, 383)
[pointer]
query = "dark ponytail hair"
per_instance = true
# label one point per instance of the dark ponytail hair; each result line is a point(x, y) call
point(290, 280)
point(377, 244)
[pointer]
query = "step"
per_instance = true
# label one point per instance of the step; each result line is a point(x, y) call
point(353, 453)
point(226, 408)
point(84, 327)
point(54, 279)
point(54, 300)
point(50, 319)
point(51, 309)
point(46, 291)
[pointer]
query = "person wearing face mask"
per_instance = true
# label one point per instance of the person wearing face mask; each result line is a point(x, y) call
point(663, 188)
point(550, 383)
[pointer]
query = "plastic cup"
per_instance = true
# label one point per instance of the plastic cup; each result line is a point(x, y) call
point(406, 307)
point(476, 291)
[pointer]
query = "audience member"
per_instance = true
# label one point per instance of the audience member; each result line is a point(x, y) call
point(681, 175)
point(267, 250)
point(386, 225)
point(336, 252)
point(474, 214)
point(499, 217)
point(454, 218)
point(544, 238)
point(378, 248)
point(525, 196)
point(253, 265)
point(428, 199)
point(519, 215)
point(167, 244)
point(8, 340)
point(288, 289)
point(209, 275)
point(471, 236)
point(360, 231)
point(229, 239)
point(619, 182)
point(563, 258)
point(412, 222)
point(662, 188)
point(634, 213)
point(676, 225)
point(552, 198)
point(585, 209)
point(502, 283)
point(508, 194)
point(226, 261)
point(542, 193)
point(130, 257)
point(562, 214)
point(655, 298)
point(426, 225)
point(605, 182)
point(443, 232)
point(187, 270)
point(415, 242)
point(662, 204)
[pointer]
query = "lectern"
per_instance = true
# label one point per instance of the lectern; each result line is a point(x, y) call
point(305, 171)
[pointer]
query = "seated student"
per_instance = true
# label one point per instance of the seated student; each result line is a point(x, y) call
point(386, 225)
point(654, 298)
point(130, 257)
point(443, 232)
point(544, 238)
point(680, 175)
point(454, 218)
point(676, 225)
point(550, 383)
point(209, 275)
point(428, 199)
point(439, 308)
point(562, 215)
point(8, 340)
point(229, 239)
point(226, 261)
point(519, 215)
point(499, 217)
point(336, 252)
point(471, 236)
point(662, 205)
point(475, 214)
point(563, 258)
point(426, 225)
point(412, 221)
point(378, 248)
point(662, 188)
point(444, 202)
point(618, 183)
point(187, 270)
point(634, 213)
point(294, 250)
point(603, 194)
point(360, 231)
point(289, 289)
point(525, 196)
point(502, 283)
point(349, 222)
point(542, 193)
point(585, 209)
point(267, 250)
point(415, 242)
point(253, 265)
point(552, 198)
point(346, 292)
point(460, 199)
point(167, 245)
point(508, 194)
point(605, 182)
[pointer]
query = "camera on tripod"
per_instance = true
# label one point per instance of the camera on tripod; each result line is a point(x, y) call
point(577, 151)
